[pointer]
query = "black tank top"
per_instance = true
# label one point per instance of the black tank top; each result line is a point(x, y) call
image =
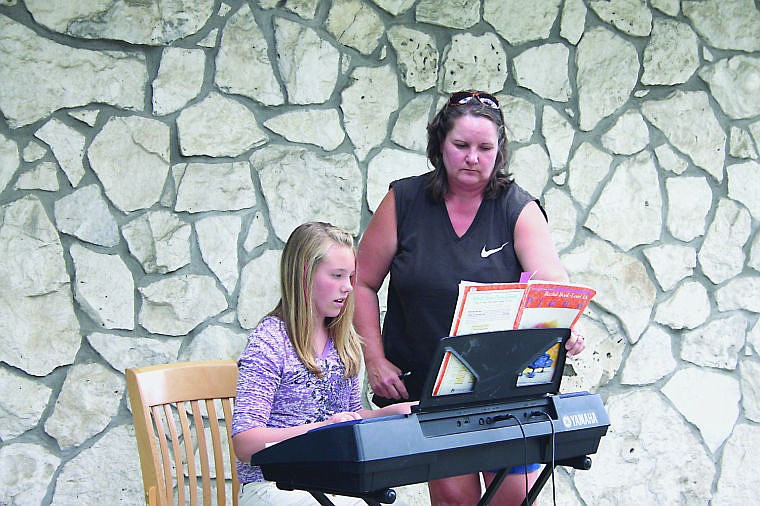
point(430, 262)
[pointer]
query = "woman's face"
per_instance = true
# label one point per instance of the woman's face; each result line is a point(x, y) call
point(469, 152)
point(333, 281)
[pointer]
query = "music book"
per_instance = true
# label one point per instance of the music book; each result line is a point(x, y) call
point(528, 304)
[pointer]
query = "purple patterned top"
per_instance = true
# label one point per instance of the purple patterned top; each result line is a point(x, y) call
point(276, 390)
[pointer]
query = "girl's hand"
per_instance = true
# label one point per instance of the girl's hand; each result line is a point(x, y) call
point(343, 416)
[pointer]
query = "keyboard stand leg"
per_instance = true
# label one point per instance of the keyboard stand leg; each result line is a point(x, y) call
point(321, 498)
point(532, 493)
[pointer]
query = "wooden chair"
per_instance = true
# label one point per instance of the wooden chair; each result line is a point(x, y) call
point(177, 409)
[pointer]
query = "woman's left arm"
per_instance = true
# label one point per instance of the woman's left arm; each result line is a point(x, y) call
point(537, 254)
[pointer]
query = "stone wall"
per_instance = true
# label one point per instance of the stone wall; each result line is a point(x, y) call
point(155, 155)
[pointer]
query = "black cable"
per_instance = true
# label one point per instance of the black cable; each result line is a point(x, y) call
point(525, 453)
point(554, 488)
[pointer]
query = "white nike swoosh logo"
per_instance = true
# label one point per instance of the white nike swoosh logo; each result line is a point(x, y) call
point(485, 253)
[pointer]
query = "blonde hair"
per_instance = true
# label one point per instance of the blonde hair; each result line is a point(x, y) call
point(304, 250)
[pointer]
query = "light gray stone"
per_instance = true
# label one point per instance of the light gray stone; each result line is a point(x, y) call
point(740, 143)
point(573, 20)
point(670, 160)
point(175, 305)
point(715, 344)
point(104, 288)
point(63, 76)
point(688, 307)
point(130, 155)
point(394, 7)
point(671, 263)
point(669, 7)
point(137, 23)
point(410, 130)
point(558, 133)
point(473, 62)
point(68, 147)
point(754, 256)
point(753, 338)
point(744, 185)
point(519, 118)
point(650, 359)
point(735, 84)
point(622, 285)
point(632, 197)
point(179, 79)
point(653, 447)
point(85, 215)
point(308, 64)
point(689, 202)
point(454, 14)
point(218, 126)
point(387, 166)
point(714, 389)
point(563, 218)
point(218, 242)
point(367, 105)
point(259, 288)
point(737, 466)
point(33, 152)
point(750, 385)
point(159, 240)
point(417, 57)
point(243, 66)
point(215, 343)
point(521, 21)
point(721, 256)
point(257, 232)
point(672, 53)
point(628, 135)
point(213, 187)
point(91, 476)
point(36, 305)
point(587, 168)
point(726, 24)
point(355, 25)
point(629, 16)
point(89, 398)
point(607, 72)
point(741, 292)
point(530, 166)
point(687, 120)
point(305, 8)
point(290, 177)
point(320, 127)
point(544, 70)
point(26, 470)
point(9, 160)
point(43, 176)
point(87, 116)
point(123, 352)
point(22, 404)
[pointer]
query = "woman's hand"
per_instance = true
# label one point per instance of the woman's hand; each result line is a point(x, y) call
point(384, 379)
point(576, 343)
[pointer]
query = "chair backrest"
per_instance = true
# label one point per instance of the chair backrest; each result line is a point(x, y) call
point(183, 424)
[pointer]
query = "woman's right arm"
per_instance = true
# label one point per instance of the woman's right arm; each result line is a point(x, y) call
point(375, 253)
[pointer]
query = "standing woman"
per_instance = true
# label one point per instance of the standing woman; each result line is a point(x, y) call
point(465, 220)
point(300, 367)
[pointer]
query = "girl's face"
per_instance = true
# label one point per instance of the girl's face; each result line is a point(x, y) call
point(332, 282)
point(469, 152)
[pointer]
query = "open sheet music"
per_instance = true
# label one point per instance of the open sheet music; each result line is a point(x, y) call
point(533, 304)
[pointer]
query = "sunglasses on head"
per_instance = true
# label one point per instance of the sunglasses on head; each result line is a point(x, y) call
point(465, 97)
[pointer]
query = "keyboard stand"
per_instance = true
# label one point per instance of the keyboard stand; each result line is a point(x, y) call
point(376, 498)
point(583, 463)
